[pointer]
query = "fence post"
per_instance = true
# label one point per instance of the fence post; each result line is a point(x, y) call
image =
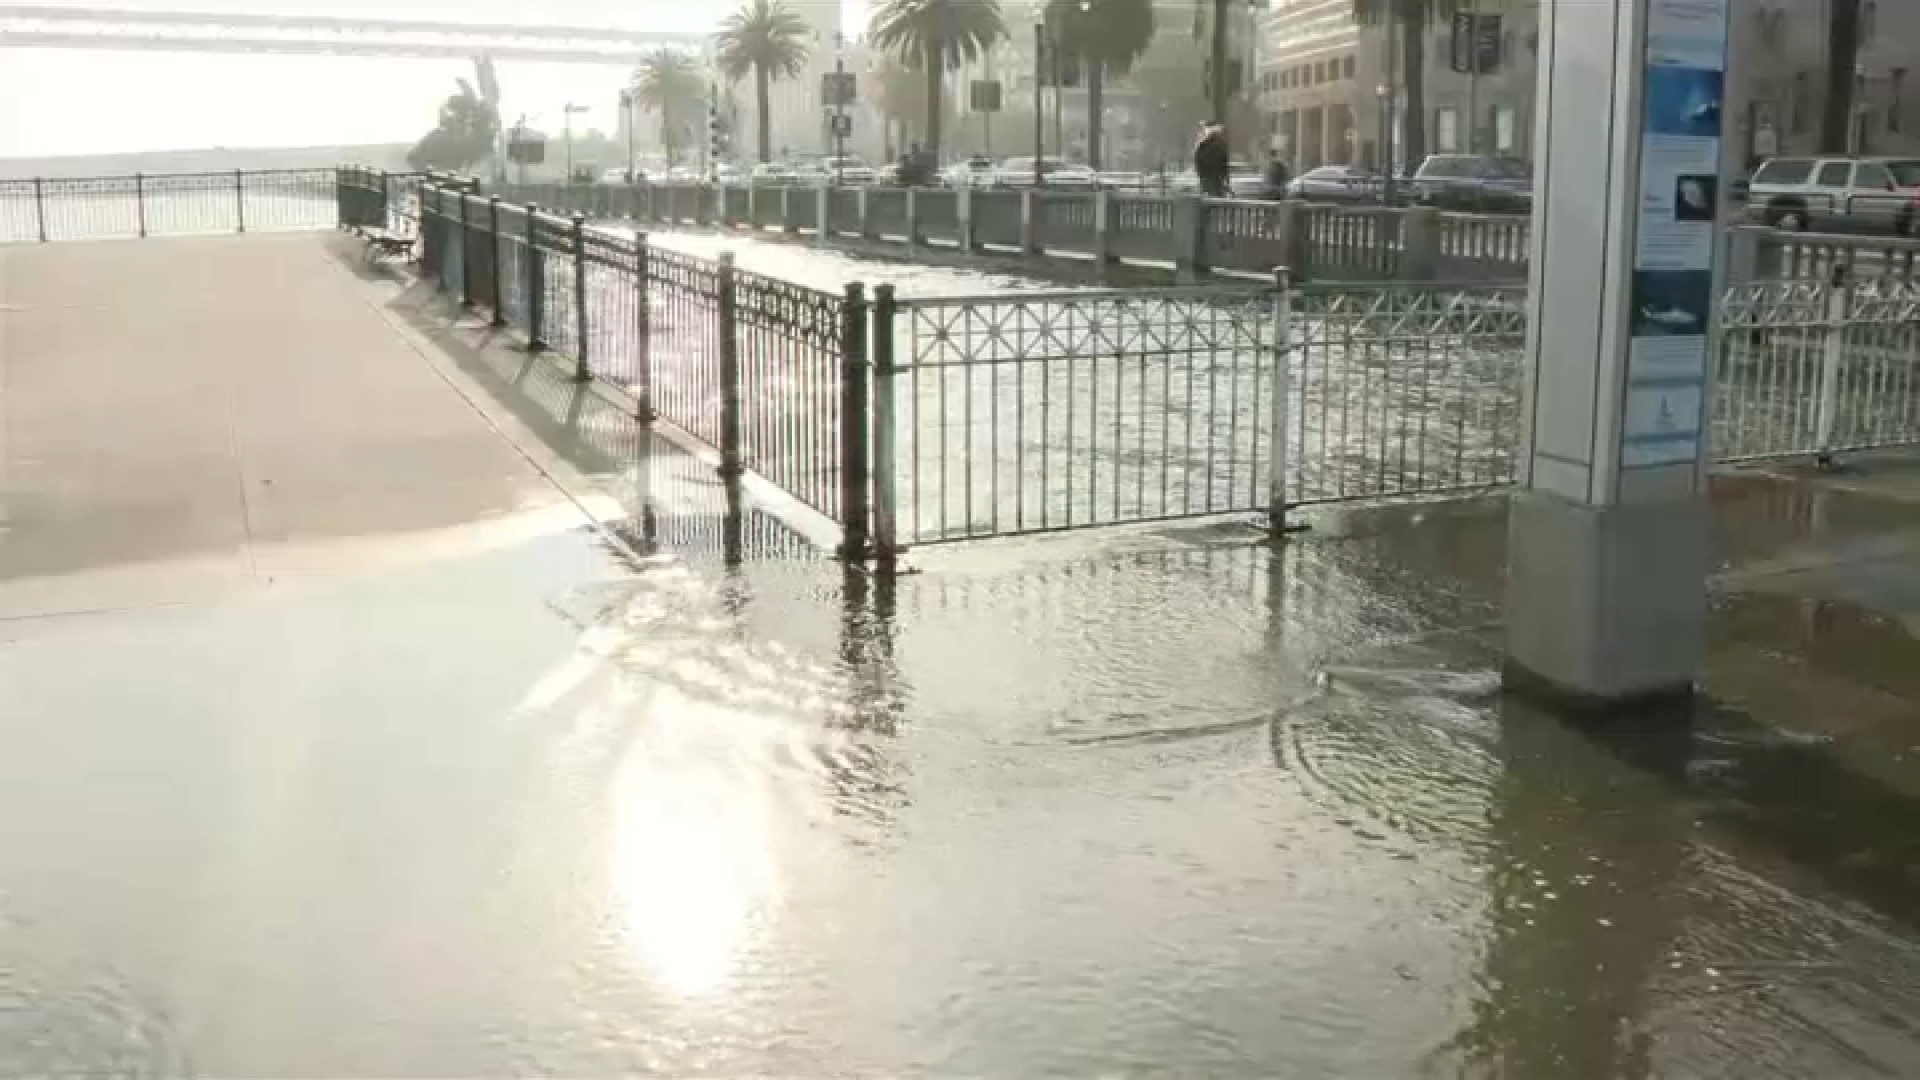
point(1743, 254)
point(855, 489)
point(140, 200)
point(789, 220)
point(1102, 227)
point(1290, 234)
point(1832, 355)
point(1279, 405)
point(823, 214)
point(536, 264)
point(240, 199)
point(582, 370)
point(963, 215)
point(885, 538)
point(913, 217)
point(1190, 236)
point(498, 299)
point(466, 253)
point(1030, 222)
point(864, 203)
point(730, 463)
point(1419, 245)
point(643, 330)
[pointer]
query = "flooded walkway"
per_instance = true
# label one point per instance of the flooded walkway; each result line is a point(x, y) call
point(1143, 802)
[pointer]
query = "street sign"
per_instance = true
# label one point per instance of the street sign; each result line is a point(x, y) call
point(527, 149)
point(842, 125)
point(838, 89)
point(1475, 48)
point(984, 96)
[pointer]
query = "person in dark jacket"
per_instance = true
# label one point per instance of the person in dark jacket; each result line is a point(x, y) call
point(1210, 160)
point(1276, 178)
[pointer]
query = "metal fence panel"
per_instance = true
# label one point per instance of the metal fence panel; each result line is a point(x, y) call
point(1033, 413)
point(938, 215)
point(791, 368)
point(996, 218)
point(1402, 390)
point(683, 300)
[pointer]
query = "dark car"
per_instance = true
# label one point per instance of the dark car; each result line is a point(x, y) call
point(1475, 184)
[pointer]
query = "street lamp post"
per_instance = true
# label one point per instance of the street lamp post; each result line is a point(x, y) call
point(627, 111)
point(1219, 93)
point(1039, 95)
point(568, 112)
point(839, 109)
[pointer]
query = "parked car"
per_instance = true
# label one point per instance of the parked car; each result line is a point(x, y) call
point(1837, 194)
point(1336, 183)
point(1474, 184)
point(976, 171)
point(1248, 181)
point(772, 174)
point(847, 171)
point(1054, 173)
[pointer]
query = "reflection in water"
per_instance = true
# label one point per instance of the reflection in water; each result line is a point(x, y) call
point(691, 858)
point(1582, 901)
point(725, 765)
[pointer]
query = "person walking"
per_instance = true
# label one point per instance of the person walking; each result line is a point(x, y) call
point(1211, 158)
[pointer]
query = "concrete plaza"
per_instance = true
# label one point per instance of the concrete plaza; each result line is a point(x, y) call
point(376, 701)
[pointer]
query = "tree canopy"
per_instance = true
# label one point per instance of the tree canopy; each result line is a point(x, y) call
point(934, 37)
point(464, 136)
point(767, 40)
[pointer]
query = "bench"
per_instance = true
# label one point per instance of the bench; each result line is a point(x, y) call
point(388, 243)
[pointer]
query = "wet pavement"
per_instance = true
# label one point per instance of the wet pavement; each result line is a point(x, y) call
point(661, 790)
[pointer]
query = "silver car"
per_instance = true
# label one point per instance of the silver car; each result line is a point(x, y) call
point(1837, 194)
point(1335, 183)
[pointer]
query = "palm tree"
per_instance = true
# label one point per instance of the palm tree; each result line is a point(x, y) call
point(1101, 36)
point(1413, 17)
point(936, 36)
point(1843, 55)
point(668, 82)
point(764, 38)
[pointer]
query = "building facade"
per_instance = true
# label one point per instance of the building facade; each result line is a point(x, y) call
point(1306, 83)
point(1331, 89)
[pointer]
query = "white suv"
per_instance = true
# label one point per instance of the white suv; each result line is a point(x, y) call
point(1838, 194)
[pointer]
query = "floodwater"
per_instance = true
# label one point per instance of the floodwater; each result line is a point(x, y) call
point(1147, 803)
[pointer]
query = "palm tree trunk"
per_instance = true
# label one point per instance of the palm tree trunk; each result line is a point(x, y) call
point(936, 85)
point(763, 96)
point(1843, 54)
point(1413, 78)
point(1096, 108)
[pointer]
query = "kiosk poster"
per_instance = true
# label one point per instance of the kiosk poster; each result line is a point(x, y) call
point(1684, 86)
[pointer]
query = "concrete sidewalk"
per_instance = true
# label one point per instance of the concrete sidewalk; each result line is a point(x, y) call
point(199, 415)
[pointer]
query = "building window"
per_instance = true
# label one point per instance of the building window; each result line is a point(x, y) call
point(1319, 72)
point(1798, 107)
point(1346, 67)
point(1896, 86)
point(1446, 130)
point(1505, 122)
point(1869, 19)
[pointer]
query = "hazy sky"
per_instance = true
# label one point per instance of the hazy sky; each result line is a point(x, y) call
point(87, 101)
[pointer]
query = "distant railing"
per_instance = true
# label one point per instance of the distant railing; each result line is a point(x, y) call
point(52, 209)
point(1189, 234)
point(1313, 241)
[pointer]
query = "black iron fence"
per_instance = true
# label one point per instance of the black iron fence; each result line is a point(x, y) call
point(49, 209)
point(771, 375)
point(375, 199)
